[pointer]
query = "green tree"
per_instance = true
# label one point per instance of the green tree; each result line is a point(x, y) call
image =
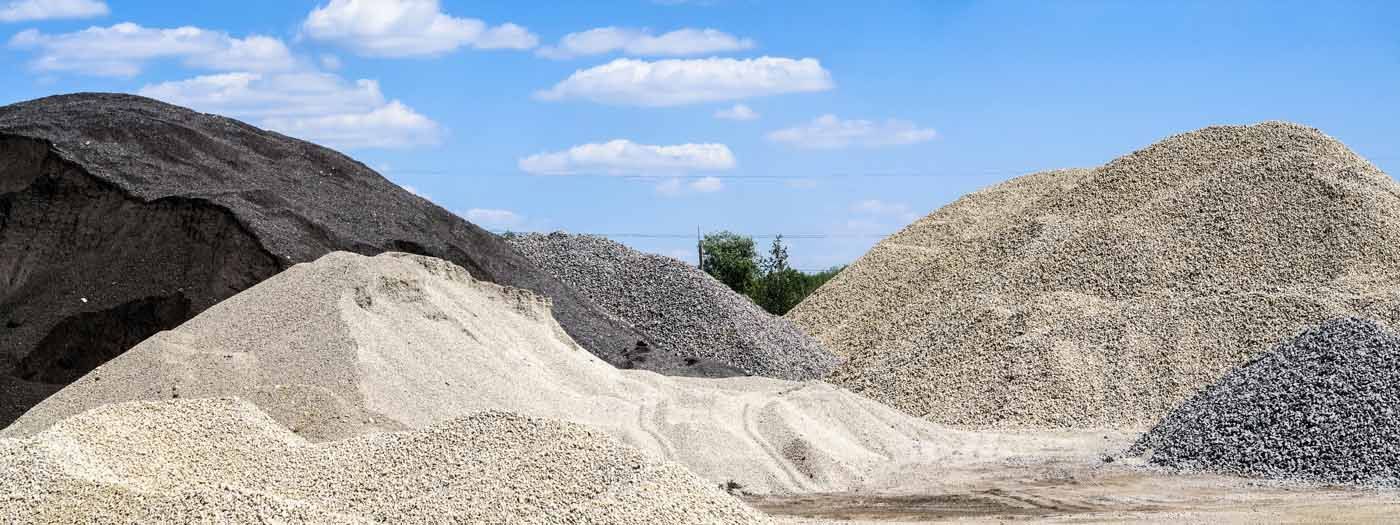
point(730, 258)
point(780, 287)
point(767, 281)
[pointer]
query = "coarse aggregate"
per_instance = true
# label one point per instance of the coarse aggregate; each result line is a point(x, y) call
point(678, 306)
point(1321, 407)
point(1104, 297)
point(218, 460)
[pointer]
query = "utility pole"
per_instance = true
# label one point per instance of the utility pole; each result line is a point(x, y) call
point(699, 250)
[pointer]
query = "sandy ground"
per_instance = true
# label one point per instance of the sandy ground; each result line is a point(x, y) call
point(1079, 486)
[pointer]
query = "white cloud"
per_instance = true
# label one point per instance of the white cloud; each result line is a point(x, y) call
point(879, 208)
point(123, 49)
point(829, 132)
point(640, 42)
point(678, 82)
point(494, 219)
point(330, 62)
point(401, 28)
point(738, 112)
point(30, 10)
point(624, 157)
point(707, 184)
point(320, 107)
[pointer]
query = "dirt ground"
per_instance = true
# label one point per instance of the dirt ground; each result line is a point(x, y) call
point(1080, 486)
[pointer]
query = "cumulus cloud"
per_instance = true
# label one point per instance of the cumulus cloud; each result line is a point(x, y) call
point(494, 218)
point(677, 82)
point(879, 208)
point(829, 132)
point(624, 157)
point(31, 10)
point(402, 28)
point(123, 49)
point(640, 42)
point(316, 106)
point(738, 112)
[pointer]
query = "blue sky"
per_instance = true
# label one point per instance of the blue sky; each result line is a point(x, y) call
point(859, 116)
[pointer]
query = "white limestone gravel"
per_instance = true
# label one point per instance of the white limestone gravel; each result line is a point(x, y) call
point(223, 461)
point(679, 306)
point(1105, 297)
point(352, 345)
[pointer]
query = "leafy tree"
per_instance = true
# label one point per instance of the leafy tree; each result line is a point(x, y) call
point(779, 287)
point(768, 281)
point(730, 258)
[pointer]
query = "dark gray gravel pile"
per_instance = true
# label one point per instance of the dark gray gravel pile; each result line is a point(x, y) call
point(1321, 407)
point(678, 306)
point(121, 216)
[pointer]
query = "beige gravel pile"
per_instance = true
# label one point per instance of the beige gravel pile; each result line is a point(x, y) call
point(224, 461)
point(350, 345)
point(1105, 297)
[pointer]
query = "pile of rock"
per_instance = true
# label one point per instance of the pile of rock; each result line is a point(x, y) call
point(1324, 407)
point(224, 461)
point(1105, 297)
point(678, 306)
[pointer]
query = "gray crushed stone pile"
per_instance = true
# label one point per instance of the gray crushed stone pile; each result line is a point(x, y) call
point(678, 306)
point(1321, 407)
point(1104, 297)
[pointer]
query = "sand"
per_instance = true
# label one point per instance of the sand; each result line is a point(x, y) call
point(351, 345)
point(1105, 297)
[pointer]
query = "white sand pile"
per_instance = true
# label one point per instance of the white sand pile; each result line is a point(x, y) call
point(223, 461)
point(353, 344)
point(1105, 297)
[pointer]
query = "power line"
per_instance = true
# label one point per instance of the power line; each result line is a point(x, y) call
point(692, 236)
point(779, 178)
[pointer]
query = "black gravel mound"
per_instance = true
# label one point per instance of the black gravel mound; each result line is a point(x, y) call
point(1323, 407)
point(121, 216)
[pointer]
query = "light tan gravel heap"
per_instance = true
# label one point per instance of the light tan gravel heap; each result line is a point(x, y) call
point(1104, 297)
point(223, 461)
point(350, 345)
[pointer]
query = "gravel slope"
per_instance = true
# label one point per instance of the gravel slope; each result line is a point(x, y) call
point(1105, 297)
point(678, 306)
point(121, 216)
point(1320, 407)
point(223, 461)
point(352, 345)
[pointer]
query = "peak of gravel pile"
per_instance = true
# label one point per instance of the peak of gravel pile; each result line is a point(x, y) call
point(223, 461)
point(121, 216)
point(1321, 407)
point(1104, 297)
point(678, 306)
point(352, 345)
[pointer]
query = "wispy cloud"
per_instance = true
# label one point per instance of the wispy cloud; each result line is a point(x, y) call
point(32, 10)
point(830, 132)
point(879, 208)
point(678, 82)
point(490, 218)
point(624, 157)
point(738, 112)
point(641, 42)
